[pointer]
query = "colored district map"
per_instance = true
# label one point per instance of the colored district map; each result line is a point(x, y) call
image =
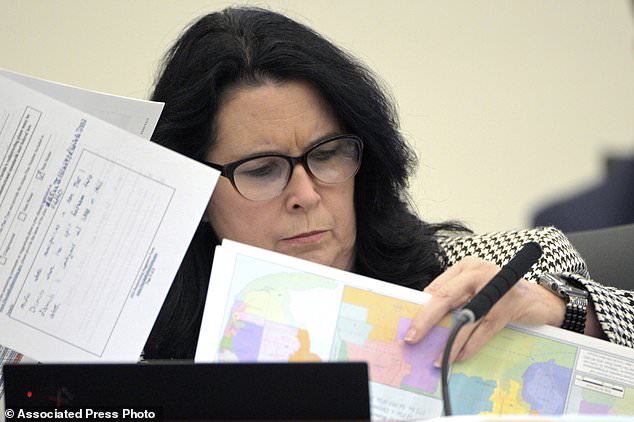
point(370, 327)
point(287, 317)
point(515, 373)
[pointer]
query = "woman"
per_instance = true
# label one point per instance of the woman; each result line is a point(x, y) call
point(314, 166)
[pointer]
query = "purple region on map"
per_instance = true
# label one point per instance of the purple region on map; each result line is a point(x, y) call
point(587, 408)
point(247, 340)
point(245, 337)
point(423, 375)
point(546, 387)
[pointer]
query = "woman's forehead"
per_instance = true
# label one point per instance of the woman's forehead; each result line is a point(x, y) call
point(284, 117)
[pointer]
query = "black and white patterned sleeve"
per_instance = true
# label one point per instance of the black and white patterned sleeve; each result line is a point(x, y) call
point(6, 356)
point(614, 307)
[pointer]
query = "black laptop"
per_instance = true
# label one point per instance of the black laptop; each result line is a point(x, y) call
point(188, 391)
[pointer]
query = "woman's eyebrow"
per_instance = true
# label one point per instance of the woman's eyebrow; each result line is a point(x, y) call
point(321, 138)
point(252, 154)
point(264, 152)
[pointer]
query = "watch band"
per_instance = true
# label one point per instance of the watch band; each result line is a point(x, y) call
point(576, 300)
point(576, 312)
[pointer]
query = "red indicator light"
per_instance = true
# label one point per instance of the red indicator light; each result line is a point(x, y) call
point(29, 394)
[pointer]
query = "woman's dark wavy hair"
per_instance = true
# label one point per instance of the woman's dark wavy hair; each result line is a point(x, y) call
point(249, 47)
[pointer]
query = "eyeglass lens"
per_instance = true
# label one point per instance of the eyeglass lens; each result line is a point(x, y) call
point(263, 178)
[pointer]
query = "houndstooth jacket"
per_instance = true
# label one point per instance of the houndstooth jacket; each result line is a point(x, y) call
point(614, 307)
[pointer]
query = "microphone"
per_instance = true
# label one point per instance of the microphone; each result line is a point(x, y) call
point(483, 301)
point(502, 282)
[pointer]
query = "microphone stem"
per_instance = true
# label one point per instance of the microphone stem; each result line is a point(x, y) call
point(462, 318)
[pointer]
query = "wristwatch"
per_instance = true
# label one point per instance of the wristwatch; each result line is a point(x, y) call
point(576, 300)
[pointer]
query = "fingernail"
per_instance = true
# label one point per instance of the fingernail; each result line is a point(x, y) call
point(411, 333)
point(437, 364)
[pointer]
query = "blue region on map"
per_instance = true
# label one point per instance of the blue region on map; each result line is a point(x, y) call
point(546, 387)
point(475, 393)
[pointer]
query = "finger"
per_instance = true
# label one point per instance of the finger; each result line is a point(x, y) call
point(459, 342)
point(449, 291)
point(440, 304)
point(484, 330)
point(473, 337)
point(478, 270)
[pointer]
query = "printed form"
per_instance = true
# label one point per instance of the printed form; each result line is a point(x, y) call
point(92, 227)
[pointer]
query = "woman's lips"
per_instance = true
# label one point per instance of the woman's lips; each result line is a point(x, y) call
point(306, 238)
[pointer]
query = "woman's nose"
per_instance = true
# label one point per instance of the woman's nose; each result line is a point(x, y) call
point(302, 189)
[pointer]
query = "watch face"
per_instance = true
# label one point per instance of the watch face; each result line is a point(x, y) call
point(553, 283)
point(573, 291)
point(576, 301)
point(561, 287)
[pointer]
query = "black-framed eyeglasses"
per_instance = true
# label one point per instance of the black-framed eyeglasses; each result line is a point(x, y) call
point(332, 160)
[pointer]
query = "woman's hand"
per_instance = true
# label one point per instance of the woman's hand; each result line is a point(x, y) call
point(526, 303)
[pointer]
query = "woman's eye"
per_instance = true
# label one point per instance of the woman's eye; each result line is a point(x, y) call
point(323, 155)
point(260, 169)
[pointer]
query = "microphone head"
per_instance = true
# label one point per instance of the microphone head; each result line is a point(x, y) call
point(525, 258)
point(506, 278)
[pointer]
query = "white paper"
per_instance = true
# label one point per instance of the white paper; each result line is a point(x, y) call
point(94, 223)
point(134, 115)
point(264, 306)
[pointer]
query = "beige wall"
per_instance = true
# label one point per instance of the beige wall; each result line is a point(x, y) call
point(509, 103)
